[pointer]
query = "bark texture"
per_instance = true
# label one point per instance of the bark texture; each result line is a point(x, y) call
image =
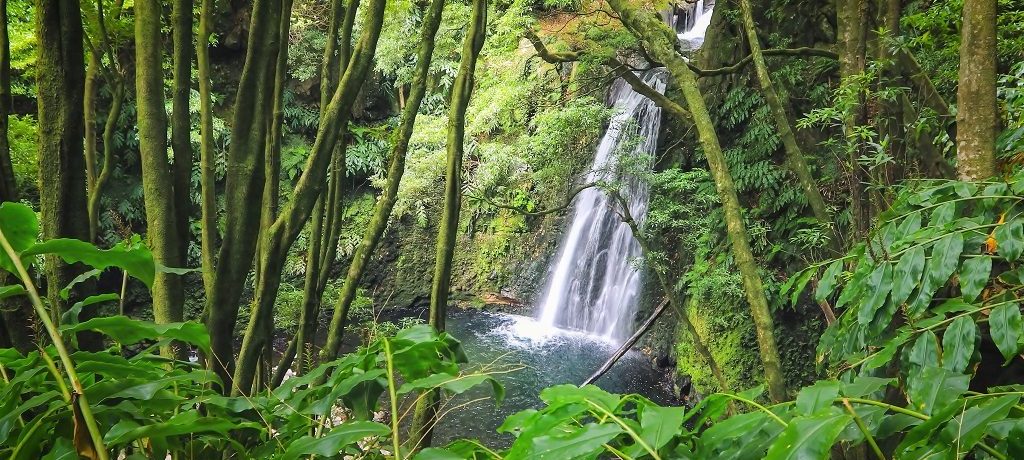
point(977, 117)
point(157, 180)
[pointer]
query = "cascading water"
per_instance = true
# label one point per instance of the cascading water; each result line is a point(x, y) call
point(593, 285)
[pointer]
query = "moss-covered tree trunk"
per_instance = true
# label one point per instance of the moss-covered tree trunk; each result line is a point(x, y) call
point(977, 117)
point(16, 328)
point(244, 182)
point(207, 164)
point(794, 154)
point(181, 121)
point(60, 80)
point(389, 195)
point(425, 416)
point(157, 181)
point(852, 25)
point(286, 228)
point(659, 42)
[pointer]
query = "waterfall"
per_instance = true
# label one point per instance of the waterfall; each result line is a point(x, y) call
point(593, 285)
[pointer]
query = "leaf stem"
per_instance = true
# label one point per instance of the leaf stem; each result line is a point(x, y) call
point(393, 393)
point(759, 406)
point(58, 343)
point(864, 429)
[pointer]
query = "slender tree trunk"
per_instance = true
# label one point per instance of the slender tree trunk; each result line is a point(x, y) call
point(389, 195)
point(16, 312)
point(977, 118)
point(794, 154)
point(181, 123)
point(244, 182)
point(60, 79)
point(157, 181)
point(92, 76)
point(207, 163)
point(659, 41)
point(425, 416)
point(294, 215)
point(852, 21)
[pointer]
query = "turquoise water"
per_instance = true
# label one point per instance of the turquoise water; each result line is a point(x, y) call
point(529, 357)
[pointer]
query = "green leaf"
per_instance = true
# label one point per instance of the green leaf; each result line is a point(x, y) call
point(815, 397)
point(958, 344)
point(62, 450)
point(966, 429)
point(945, 259)
point(864, 385)
point(1010, 239)
point(132, 258)
point(925, 351)
point(829, 280)
point(21, 228)
point(800, 284)
point(70, 317)
point(126, 431)
point(932, 388)
point(878, 284)
point(581, 442)
point(1005, 325)
point(456, 384)
point(907, 274)
point(331, 444)
point(808, 437)
point(660, 424)
point(128, 331)
point(1015, 440)
point(559, 395)
point(974, 274)
point(11, 291)
point(943, 214)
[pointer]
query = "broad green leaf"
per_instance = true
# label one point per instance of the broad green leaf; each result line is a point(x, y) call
point(815, 397)
point(945, 259)
point(132, 258)
point(183, 423)
point(70, 317)
point(799, 285)
point(878, 284)
point(62, 450)
point(974, 274)
point(907, 274)
point(829, 281)
point(569, 394)
point(943, 214)
point(925, 351)
point(11, 291)
point(966, 429)
point(1015, 440)
point(863, 386)
point(582, 441)
point(128, 331)
point(932, 388)
point(1005, 325)
point(660, 424)
point(1010, 239)
point(21, 228)
point(918, 436)
point(958, 343)
point(808, 437)
point(456, 384)
point(331, 444)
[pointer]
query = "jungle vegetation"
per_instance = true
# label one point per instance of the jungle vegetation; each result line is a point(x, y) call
point(204, 202)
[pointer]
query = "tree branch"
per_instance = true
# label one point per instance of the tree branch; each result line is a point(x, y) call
point(520, 210)
point(805, 51)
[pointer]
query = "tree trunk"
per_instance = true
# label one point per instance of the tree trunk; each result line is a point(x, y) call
point(794, 154)
point(294, 215)
point(207, 163)
point(852, 22)
point(60, 79)
point(389, 195)
point(157, 180)
point(181, 123)
point(977, 117)
point(424, 418)
point(659, 41)
point(243, 184)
